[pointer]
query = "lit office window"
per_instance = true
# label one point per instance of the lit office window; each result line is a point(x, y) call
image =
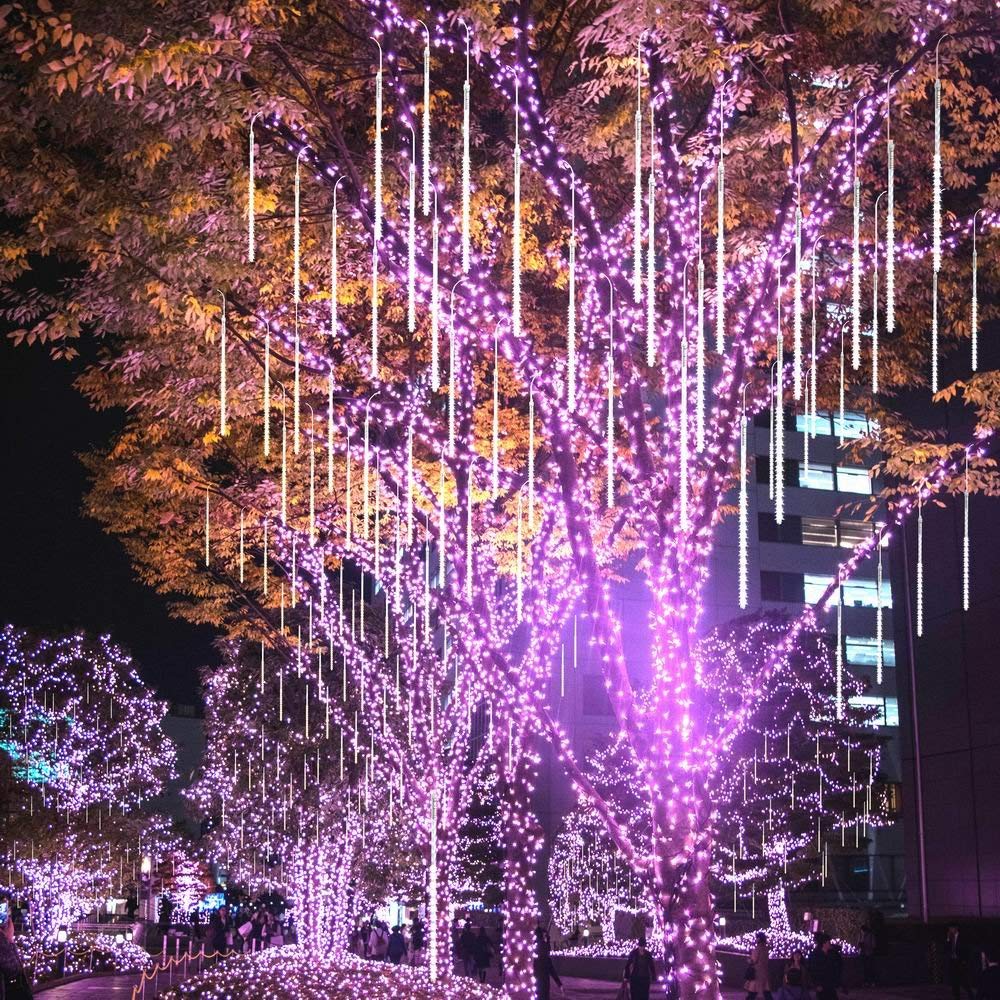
point(862, 651)
point(857, 593)
point(854, 425)
point(853, 480)
point(863, 593)
point(886, 709)
point(852, 533)
point(819, 531)
point(814, 586)
point(819, 477)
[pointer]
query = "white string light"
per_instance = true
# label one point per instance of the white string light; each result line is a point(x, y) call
point(519, 563)
point(840, 648)
point(411, 240)
point(296, 386)
point(571, 308)
point(435, 302)
point(377, 221)
point(744, 512)
point(684, 434)
point(442, 541)
point(637, 186)
point(252, 197)
point(610, 429)
point(920, 567)
point(843, 391)
point(329, 432)
point(297, 232)
point(779, 410)
point(334, 264)
point(875, 298)
point(515, 304)
point(468, 536)
point(879, 624)
point(699, 346)
point(208, 523)
point(267, 391)
point(890, 221)
point(856, 257)
point(223, 424)
point(720, 236)
point(426, 152)
point(651, 245)
point(974, 316)
point(797, 303)
point(934, 332)
point(495, 442)
point(466, 158)
point(966, 541)
point(452, 372)
point(531, 454)
point(813, 368)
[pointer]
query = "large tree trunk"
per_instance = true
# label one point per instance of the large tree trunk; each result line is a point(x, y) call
point(684, 907)
point(522, 843)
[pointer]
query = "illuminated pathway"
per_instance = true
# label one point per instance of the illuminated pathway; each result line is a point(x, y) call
point(96, 988)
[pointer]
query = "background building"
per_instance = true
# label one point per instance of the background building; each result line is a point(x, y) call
point(790, 566)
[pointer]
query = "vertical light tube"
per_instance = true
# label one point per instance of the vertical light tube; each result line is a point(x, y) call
point(879, 622)
point(426, 152)
point(920, 568)
point(637, 186)
point(515, 303)
point(251, 199)
point(495, 440)
point(267, 392)
point(651, 245)
point(720, 236)
point(966, 540)
point(466, 162)
point(411, 242)
point(223, 424)
point(797, 309)
point(856, 263)
point(435, 302)
point(744, 515)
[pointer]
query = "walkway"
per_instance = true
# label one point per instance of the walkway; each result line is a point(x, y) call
point(93, 988)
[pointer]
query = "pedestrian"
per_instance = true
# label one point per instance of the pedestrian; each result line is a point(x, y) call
point(956, 957)
point(13, 979)
point(378, 941)
point(396, 945)
point(466, 949)
point(758, 972)
point(825, 967)
point(640, 971)
point(866, 946)
point(482, 954)
point(196, 923)
point(218, 929)
point(794, 980)
point(417, 940)
point(543, 967)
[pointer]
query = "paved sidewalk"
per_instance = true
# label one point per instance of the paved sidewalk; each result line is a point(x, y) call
point(93, 988)
point(593, 989)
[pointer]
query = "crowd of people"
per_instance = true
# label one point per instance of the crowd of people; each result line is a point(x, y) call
point(399, 945)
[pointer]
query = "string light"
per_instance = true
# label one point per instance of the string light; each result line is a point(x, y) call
point(966, 541)
point(411, 239)
point(515, 301)
point(466, 158)
point(856, 255)
point(223, 425)
point(637, 187)
point(251, 197)
point(920, 567)
point(743, 530)
point(426, 118)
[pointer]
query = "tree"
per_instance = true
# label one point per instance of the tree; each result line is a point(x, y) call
point(796, 783)
point(85, 748)
point(628, 415)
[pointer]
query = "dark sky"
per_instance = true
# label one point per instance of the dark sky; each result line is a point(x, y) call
point(60, 570)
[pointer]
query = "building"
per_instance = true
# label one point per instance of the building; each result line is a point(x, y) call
point(790, 565)
point(951, 715)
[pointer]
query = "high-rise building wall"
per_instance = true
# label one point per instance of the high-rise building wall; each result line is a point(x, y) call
point(790, 566)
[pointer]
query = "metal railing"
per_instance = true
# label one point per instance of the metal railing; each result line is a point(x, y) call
point(168, 966)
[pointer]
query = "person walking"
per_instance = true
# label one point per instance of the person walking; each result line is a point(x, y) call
point(418, 941)
point(956, 957)
point(396, 945)
point(825, 967)
point(866, 946)
point(640, 971)
point(482, 954)
point(544, 970)
point(794, 980)
point(14, 983)
point(759, 983)
point(466, 949)
point(378, 941)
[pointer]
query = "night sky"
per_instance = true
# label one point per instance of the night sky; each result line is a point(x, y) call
point(60, 570)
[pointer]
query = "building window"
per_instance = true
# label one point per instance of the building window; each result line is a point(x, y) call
point(862, 651)
point(785, 587)
point(814, 586)
point(854, 425)
point(818, 477)
point(853, 480)
point(789, 531)
point(863, 594)
point(763, 471)
point(886, 709)
point(843, 478)
point(852, 533)
point(595, 695)
point(819, 531)
point(893, 798)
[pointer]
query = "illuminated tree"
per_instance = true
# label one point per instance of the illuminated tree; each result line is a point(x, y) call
point(83, 742)
point(607, 343)
point(797, 780)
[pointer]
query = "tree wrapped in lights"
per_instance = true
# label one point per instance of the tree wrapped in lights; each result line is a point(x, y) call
point(83, 742)
point(556, 448)
point(797, 782)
